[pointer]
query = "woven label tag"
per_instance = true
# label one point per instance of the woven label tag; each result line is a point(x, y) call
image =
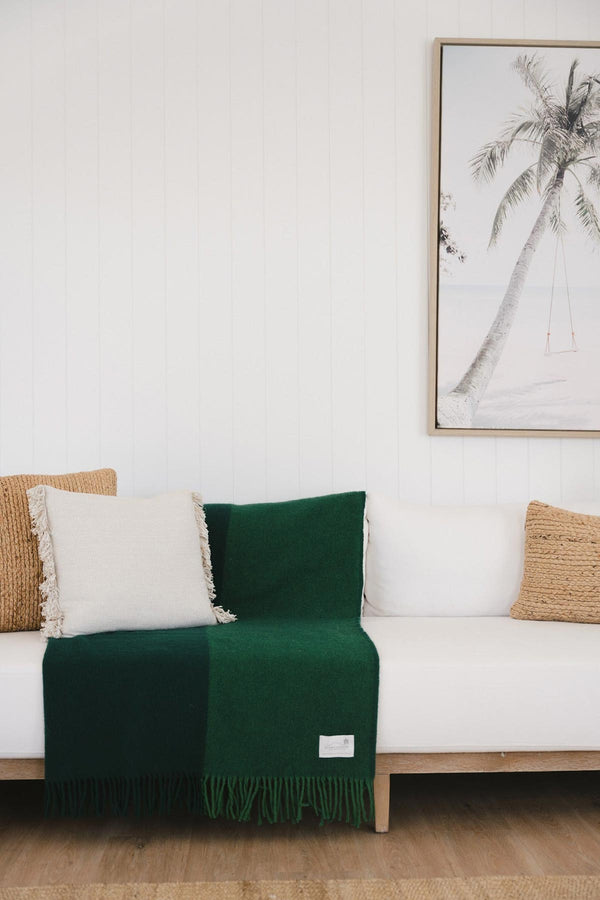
point(331, 745)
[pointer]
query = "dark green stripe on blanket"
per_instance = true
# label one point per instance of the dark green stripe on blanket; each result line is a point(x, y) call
point(122, 699)
point(226, 720)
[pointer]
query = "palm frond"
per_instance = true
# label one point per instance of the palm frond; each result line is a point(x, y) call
point(592, 172)
point(570, 80)
point(488, 160)
point(586, 97)
point(551, 150)
point(532, 73)
point(519, 190)
point(587, 216)
point(590, 134)
point(593, 176)
point(557, 224)
point(520, 128)
point(564, 130)
point(593, 103)
point(577, 108)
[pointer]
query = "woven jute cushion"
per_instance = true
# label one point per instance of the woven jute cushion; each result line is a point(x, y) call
point(20, 566)
point(561, 576)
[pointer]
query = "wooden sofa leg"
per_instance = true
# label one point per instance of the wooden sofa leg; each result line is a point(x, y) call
point(381, 790)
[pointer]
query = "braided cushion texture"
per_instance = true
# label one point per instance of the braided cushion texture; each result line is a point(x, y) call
point(20, 566)
point(561, 576)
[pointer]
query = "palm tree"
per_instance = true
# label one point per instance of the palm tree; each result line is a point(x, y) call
point(564, 133)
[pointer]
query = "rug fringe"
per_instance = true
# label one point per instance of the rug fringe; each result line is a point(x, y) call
point(268, 799)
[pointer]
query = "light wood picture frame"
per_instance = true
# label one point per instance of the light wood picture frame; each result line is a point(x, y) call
point(514, 272)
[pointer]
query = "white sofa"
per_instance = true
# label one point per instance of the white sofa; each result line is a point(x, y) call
point(462, 685)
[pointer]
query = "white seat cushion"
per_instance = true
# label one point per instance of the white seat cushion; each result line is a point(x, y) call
point(468, 684)
point(21, 695)
point(446, 684)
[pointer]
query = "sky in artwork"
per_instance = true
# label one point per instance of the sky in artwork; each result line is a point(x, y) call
point(480, 93)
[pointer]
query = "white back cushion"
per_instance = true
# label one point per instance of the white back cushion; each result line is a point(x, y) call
point(445, 560)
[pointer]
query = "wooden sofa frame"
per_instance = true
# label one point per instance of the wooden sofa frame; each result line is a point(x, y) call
point(388, 764)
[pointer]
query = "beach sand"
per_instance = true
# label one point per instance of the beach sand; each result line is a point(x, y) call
point(529, 388)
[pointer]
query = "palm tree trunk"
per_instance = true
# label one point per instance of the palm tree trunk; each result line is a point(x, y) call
point(457, 408)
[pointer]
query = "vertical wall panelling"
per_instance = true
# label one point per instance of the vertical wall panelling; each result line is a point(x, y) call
point(381, 274)
point(81, 252)
point(16, 320)
point(149, 233)
point(512, 470)
point(314, 247)
point(281, 248)
point(479, 456)
point(447, 471)
point(577, 470)
point(413, 67)
point(181, 251)
point(214, 249)
point(545, 470)
point(479, 465)
point(540, 19)
point(48, 263)
point(573, 20)
point(593, 24)
point(347, 243)
point(115, 241)
point(248, 250)
point(474, 18)
point(447, 458)
point(508, 18)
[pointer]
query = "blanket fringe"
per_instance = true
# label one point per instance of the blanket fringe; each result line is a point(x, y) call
point(268, 799)
point(222, 616)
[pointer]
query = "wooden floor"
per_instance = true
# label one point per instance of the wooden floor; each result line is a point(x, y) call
point(441, 825)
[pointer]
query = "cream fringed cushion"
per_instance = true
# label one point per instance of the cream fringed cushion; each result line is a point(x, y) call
point(122, 563)
point(20, 567)
point(561, 577)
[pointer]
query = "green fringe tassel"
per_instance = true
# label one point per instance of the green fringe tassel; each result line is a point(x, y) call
point(269, 799)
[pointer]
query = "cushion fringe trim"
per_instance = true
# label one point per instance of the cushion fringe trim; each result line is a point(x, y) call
point(52, 615)
point(263, 798)
point(222, 616)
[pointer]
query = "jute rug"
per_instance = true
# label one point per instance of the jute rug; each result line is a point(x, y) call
point(567, 887)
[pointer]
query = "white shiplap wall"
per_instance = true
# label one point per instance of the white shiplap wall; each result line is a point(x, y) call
point(213, 244)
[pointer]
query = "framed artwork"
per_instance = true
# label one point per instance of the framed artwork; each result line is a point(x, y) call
point(515, 239)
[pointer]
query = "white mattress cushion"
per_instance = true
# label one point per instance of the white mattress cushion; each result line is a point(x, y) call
point(489, 683)
point(21, 695)
point(445, 560)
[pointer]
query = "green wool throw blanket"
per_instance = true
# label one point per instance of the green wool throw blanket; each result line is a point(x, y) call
point(258, 719)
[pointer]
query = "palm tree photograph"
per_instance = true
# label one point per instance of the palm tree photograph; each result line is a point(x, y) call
point(517, 293)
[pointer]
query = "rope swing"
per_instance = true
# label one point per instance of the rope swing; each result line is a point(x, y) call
point(573, 348)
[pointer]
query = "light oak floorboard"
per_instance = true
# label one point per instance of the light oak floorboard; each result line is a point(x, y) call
point(440, 825)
